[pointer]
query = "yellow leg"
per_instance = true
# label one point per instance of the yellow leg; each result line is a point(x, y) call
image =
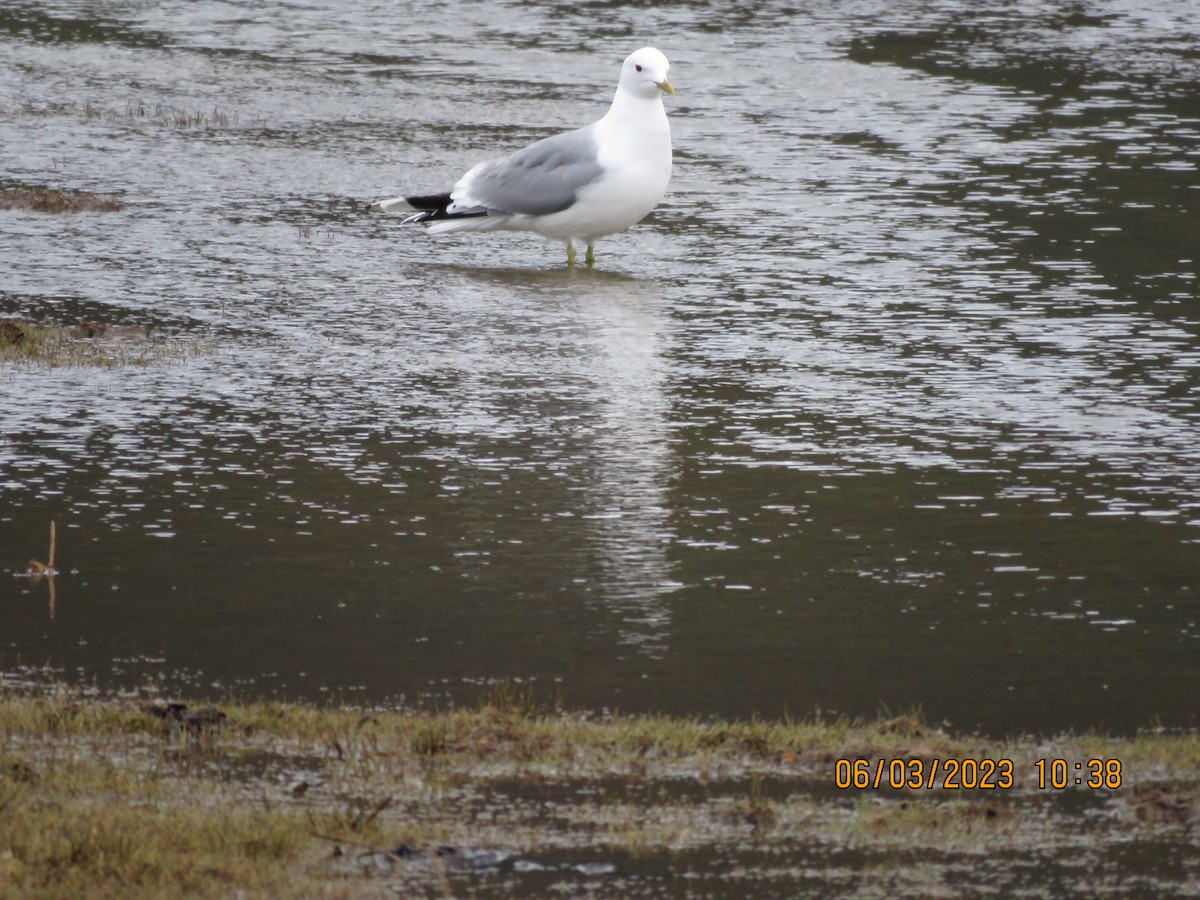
point(570, 255)
point(590, 259)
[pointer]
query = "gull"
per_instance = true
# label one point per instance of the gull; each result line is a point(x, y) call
point(574, 187)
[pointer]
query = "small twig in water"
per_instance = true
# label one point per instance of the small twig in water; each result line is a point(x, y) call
point(40, 569)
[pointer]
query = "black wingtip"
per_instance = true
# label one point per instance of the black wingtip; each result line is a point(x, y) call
point(433, 207)
point(429, 202)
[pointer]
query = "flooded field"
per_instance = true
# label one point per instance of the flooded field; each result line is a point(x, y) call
point(892, 404)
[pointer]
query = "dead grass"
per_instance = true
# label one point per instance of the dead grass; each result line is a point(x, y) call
point(163, 114)
point(57, 200)
point(91, 344)
point(108, 797)
point(167, 114)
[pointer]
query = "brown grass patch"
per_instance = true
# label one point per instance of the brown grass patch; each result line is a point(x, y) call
point(92, 344)
point(57, 200)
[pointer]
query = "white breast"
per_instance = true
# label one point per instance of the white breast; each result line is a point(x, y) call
point(635, 152)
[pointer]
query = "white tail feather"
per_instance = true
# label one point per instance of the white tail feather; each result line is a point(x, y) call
point(396, 204)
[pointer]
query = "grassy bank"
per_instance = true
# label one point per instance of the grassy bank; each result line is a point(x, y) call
point(114, 797)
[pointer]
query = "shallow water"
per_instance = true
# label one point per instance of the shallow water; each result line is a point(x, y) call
point(893, 402)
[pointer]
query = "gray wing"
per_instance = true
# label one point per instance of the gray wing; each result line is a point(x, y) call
point(543, 178)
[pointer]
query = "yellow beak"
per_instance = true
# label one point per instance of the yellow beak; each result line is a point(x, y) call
point(666, 86)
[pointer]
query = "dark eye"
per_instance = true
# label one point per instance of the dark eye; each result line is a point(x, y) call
point(638, 68)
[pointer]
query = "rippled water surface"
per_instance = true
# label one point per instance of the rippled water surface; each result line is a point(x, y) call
point(893, 402)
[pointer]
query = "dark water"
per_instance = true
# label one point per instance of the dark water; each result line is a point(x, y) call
point(893, 403)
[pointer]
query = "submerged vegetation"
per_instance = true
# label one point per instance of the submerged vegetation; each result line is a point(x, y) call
point(91, 344)
point(116, 796)
point(32, 198)
point(157, 113)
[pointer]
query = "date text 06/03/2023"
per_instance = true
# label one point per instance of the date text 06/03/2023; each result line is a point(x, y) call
point(973, 774)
